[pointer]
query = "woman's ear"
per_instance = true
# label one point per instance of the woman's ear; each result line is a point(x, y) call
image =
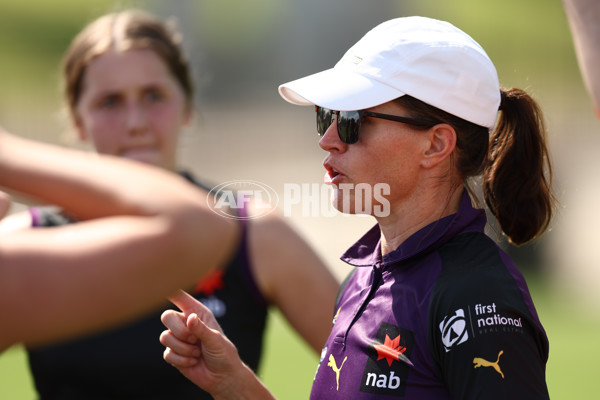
point(442, 142)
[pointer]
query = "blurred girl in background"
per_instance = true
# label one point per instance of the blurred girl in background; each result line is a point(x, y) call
point(129, 92)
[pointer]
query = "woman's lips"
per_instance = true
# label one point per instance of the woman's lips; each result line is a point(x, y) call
point(144, 154)
point(332, 175)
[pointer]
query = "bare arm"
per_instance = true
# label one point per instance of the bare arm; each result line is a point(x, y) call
point(584, 17)
point(294, 278)
point(144, 230)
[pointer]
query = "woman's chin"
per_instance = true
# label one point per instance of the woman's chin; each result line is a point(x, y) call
point(144, 156)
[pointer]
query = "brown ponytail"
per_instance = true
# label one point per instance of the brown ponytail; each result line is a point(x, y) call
point(517, 176)
point(514, 162)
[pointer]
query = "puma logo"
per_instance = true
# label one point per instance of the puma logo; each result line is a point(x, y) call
point(335, 369)
point(336, 315)
point(480, 362)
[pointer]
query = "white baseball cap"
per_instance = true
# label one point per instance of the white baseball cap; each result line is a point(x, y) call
point(430, 60)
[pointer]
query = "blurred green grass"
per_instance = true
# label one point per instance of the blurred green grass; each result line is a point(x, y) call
point(573, 327)
point(289, 365)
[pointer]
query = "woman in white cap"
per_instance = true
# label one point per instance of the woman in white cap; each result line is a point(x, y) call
point(435, 309)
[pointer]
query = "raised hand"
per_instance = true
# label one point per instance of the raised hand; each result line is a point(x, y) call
point(197, 347)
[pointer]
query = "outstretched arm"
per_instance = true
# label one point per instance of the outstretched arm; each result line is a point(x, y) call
point(583, 17)
point(197, 347)
point(143, 230)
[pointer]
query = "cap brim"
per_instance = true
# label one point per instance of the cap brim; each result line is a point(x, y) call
point(338, 89)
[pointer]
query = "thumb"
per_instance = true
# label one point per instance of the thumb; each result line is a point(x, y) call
point(210, 338)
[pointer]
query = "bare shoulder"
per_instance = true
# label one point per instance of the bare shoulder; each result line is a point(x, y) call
point(275, 236)
point(292, 276)
point(279, 254)
point(268, 221)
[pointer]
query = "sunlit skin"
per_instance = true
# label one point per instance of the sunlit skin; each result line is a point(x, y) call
point(131, 106)
point(385, 152)
point(415, 163)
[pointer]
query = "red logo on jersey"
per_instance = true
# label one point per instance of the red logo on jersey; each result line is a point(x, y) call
point(391, 343)
point(390, 349)
point(211, 283)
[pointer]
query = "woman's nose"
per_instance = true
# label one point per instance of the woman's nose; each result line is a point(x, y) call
point(331, 141)
point(137, 119)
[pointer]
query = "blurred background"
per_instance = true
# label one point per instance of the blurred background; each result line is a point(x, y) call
point(242, 50)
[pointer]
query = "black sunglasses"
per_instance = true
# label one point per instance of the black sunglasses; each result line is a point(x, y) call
point(348, 122)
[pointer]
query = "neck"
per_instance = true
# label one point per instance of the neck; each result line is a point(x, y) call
point(413, 215)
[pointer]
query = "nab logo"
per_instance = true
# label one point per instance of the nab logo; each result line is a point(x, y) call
point(207, 288)
point(389, 362)
point(454, 330)
point(211, 283)
point(391, 351)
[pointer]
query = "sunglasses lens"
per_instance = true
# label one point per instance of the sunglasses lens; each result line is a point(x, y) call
point(324, 118)
point(348, 124)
